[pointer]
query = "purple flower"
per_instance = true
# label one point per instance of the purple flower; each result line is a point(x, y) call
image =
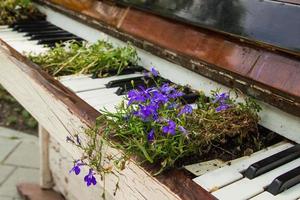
point(76, 167)
point(170, 91)
point(154, 72)
point(181, 129)
point(90, 178)
point(221, 97)
point(158, 97)
point(136, 96)
point(222, 107)
point(151, 136)
point(165, 88)
point(146, 112)
point(187, 109)
point(170, 128)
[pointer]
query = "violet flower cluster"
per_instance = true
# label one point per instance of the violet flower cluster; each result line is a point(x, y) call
point(89, 178)
point(148, 103)
point(222, 100)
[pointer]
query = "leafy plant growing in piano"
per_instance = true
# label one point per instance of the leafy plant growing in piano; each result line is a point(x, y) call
point(83, 58)
point(12, 11)
point(155, 126)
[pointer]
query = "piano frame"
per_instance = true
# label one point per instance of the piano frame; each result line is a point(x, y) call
point(60, 113)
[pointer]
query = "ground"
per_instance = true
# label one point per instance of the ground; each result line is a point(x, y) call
point(19, 161)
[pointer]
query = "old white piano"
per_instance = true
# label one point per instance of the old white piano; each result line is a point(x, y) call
point(250, 45)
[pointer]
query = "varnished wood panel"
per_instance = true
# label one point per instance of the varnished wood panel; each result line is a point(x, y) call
point(200, 44)
point(269, 22)
point(108, 13)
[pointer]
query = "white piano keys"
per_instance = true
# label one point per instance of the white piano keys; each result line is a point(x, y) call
point(7, 29)
point(20, 42)
point(101, 96)
point(246, 188)
point(27, 46)
point(3, 27)
point(12, 35)
point(290, 194)
point(229, 174)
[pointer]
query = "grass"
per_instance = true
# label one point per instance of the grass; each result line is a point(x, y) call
point(84, 58)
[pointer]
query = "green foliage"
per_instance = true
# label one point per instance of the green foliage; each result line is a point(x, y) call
point(14, 10)
point(84, 58)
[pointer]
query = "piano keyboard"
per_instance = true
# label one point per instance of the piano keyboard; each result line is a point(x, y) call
point(34, 36)
point(272, 173)
point(281, 181)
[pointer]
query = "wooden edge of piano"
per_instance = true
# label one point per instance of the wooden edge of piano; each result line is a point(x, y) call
point(60, 112)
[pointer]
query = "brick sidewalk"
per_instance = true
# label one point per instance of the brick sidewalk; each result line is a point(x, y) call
point(19, 161)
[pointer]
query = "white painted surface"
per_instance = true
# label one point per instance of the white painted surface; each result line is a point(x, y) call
point(46, 180)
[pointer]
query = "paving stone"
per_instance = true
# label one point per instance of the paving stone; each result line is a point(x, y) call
point(26, 154)
point(6, 147)
point(6, 198)
point(5, 171)
point(8, 188)
point(34, 192)
point(16, 135)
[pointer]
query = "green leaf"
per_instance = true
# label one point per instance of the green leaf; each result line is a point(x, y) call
point(145, 153)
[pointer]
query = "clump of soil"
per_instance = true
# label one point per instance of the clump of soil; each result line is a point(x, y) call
point(230, 150)
point(13, 115)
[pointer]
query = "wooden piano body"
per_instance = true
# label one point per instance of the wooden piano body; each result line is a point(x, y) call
point(186, 54)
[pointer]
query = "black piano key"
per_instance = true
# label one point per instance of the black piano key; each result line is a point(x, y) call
point(272, 162)
point(113, 72)
point(189, 98)
point(122, 90)
point(32, 26)
point(284, 181)
point(124, 81)
point(45, 32)
point(52, 41)
point(35, 29)
point(56, 35)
